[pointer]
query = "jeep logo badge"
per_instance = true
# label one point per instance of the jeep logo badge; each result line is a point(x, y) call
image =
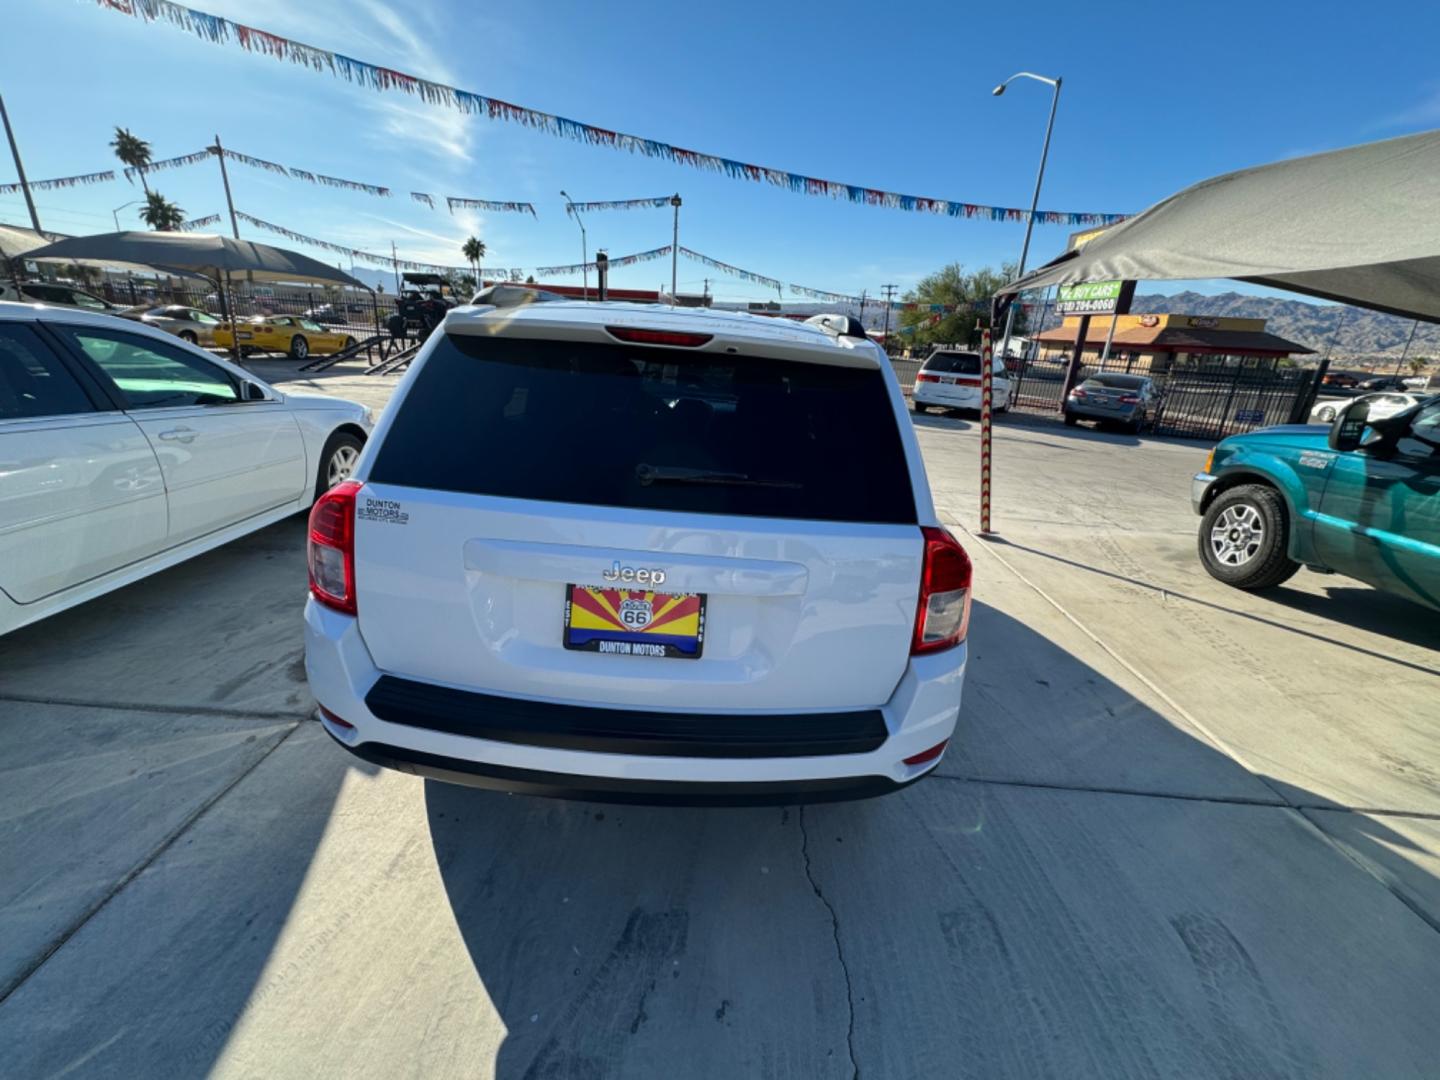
point(642, 576)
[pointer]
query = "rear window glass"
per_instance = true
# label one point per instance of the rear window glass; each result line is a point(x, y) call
point(1117, 382)
point(962, 363)
point(653, 428)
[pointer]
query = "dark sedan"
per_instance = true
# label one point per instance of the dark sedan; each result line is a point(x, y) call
point(1125, 400)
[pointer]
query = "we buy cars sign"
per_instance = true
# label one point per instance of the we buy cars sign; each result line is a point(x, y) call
point(1095, 298)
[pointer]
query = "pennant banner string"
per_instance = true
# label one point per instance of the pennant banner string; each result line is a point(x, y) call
point(620, 204)
point(217, 30)
point(168, 163)
point(200, 223)
point(489, 204)
point(61, 182)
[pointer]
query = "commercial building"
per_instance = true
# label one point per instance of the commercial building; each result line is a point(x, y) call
point(1157, 343)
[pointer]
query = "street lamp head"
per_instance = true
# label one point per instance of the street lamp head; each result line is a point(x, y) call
point(998, 90)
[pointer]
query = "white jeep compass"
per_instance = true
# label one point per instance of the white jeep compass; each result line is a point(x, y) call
point(637, 553)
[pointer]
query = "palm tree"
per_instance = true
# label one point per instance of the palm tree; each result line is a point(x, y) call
point(474, 250)
point(161, 214)
point(132, 151)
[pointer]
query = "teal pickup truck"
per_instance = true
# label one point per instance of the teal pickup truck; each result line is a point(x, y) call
point(1360, 498)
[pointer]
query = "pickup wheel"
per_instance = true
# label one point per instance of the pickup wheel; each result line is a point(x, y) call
point(1244, 538)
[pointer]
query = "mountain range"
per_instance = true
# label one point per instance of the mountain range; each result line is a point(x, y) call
point(1361, 333)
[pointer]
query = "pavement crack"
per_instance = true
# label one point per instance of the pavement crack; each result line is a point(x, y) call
point(839, 949)
point(269, 716)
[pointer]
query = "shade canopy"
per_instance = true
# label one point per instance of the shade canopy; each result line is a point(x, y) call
point(1359, 226)
point(202, 253)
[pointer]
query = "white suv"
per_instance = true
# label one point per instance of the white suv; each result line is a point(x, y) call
point(638, 553)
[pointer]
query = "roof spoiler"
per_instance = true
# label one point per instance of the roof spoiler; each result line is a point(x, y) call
point(506, 295)
point(839, 326)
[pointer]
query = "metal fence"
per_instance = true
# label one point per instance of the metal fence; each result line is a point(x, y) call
point(1206, 398)
point(360, 313)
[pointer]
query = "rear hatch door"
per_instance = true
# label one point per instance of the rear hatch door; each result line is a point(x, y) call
point(663, 527)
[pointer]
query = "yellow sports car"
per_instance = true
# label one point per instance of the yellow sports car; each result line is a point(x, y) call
point(292, 334)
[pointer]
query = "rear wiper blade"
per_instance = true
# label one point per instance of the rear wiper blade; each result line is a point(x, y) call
point(678, 474)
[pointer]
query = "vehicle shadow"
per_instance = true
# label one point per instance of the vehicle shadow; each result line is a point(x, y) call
point(1052, 424)
point(946, 420)
point(209, 839)
point(977, 928)
point(1357, 606)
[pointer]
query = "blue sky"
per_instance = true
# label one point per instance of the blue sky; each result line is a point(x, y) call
point(1155, 97)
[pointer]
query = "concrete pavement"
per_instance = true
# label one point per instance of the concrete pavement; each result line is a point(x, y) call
point(1142, 856)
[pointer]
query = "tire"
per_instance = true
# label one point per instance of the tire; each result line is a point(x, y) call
point(1244, 538)
point(919, 408)
point(337, 460)
point(299, 347)
point(1325, 415)
point(188, 336)
point(349, 344)
point(1071, 419)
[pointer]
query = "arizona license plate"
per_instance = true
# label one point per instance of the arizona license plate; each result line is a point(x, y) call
point(634, 622)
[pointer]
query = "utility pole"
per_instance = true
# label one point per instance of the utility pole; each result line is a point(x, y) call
point(889, 291)
point(861, 316)
point(219, 152)
point(395, 265)
point(19, 168)
point(675, 244)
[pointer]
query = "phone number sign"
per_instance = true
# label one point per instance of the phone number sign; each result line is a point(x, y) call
point(1095, 298)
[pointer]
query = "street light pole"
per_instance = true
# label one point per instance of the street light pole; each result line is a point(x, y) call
point(584, 254)
point(116, 212)
point(1035, 199)
point(674, 245)
point(19, 168)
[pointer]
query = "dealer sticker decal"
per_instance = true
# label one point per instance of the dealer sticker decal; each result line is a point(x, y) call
point(383, 510)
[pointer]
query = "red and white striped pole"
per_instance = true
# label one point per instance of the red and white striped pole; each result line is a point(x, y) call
point(987, 387)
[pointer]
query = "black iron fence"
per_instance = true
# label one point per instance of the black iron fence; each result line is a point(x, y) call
point(1206, 397)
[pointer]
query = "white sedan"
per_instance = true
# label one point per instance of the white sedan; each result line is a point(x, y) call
point(124, 451)
point(1381, 405)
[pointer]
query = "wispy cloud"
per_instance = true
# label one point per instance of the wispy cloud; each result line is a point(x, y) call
point(373, 31)
point(1425, 112)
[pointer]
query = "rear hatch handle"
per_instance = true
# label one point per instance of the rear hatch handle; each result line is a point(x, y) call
point(576, 564)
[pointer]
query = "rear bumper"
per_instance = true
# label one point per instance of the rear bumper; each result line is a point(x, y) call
point(569, 748)
point(605, 789)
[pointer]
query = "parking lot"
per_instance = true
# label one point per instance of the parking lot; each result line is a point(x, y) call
point(1182, 830)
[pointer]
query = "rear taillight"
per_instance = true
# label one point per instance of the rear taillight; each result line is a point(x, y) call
point(1078, 392)
point(658, 337)
point(1130, 399)
point(967, 382)
point(332, 548)
point(927, 377)
point(943, 614)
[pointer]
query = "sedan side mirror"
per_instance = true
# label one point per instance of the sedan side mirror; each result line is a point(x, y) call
point(255, 392)
point(1347, 433)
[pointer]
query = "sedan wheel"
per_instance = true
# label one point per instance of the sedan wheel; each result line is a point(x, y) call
point(1326, 414)
point(189, 336)
point(337, 462)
